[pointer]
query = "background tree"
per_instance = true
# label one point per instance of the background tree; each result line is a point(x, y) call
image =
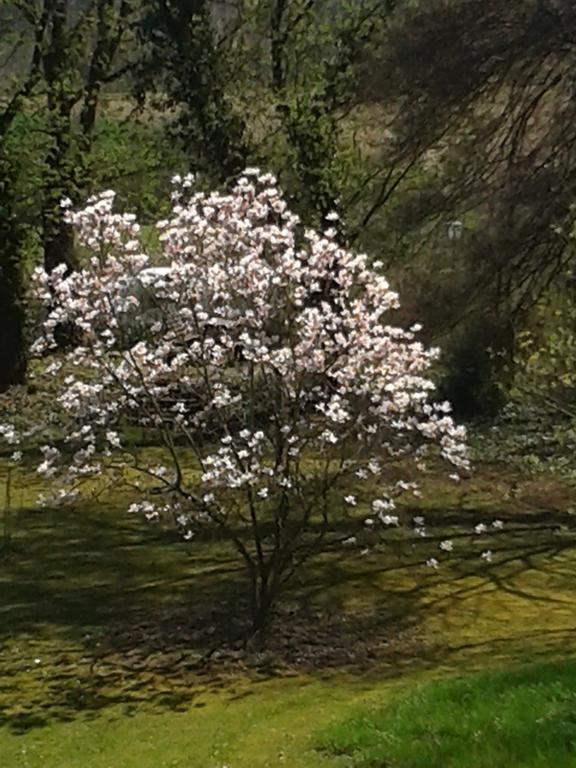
point(12, 234)
point(317, 57)
point(270, 82)
point(185, 62)
point(481, 121)
point(75, 47)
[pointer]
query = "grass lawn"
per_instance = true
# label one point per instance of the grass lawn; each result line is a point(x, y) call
point(270, 725)
point(525, 717)
point(103, 620)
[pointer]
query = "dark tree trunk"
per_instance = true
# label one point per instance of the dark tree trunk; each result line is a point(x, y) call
point(12, 309)
point(262, 601)
point(60, 175)
point(66, 166)
point(12, 320)
point(59, 246)
point(58, 238)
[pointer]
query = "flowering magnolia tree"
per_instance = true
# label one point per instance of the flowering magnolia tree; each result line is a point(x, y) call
point(259, 354)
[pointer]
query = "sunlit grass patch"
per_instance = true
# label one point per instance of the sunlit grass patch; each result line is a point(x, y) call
point(525, 717)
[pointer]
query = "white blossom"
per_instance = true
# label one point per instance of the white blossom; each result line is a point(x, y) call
point(480, 528)
point(226, 346)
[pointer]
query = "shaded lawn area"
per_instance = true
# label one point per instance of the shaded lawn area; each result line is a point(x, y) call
point(525, 717)
point(119, 643)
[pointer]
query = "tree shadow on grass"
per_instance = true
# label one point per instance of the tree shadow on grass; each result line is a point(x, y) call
point(98, 612)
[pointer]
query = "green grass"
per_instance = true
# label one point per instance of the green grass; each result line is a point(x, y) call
point(262, 727)
point(510, 719)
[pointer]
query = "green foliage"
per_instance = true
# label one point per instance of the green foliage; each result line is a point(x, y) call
point(537, 429)
point(530, 437)
point(133, 156)
point(137, 159)
point(272, 83)
point(517, 718)
point(546, 353)
point(183, 63)
point(477, 366)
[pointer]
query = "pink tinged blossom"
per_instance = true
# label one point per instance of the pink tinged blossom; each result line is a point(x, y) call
point(382, 505)
point(9, 433)
point(480, 528)
point(113, 439)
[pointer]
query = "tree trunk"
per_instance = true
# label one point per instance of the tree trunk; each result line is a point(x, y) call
point(59, 246)
point(60, 174)
point(262, 601)
point(12, 320)
point(12, 310)
point(60, 182)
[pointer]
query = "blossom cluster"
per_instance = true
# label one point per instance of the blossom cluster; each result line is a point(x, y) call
point(262, 349)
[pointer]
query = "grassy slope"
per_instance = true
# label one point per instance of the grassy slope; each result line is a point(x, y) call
point(525, 718)
point(73, 573)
